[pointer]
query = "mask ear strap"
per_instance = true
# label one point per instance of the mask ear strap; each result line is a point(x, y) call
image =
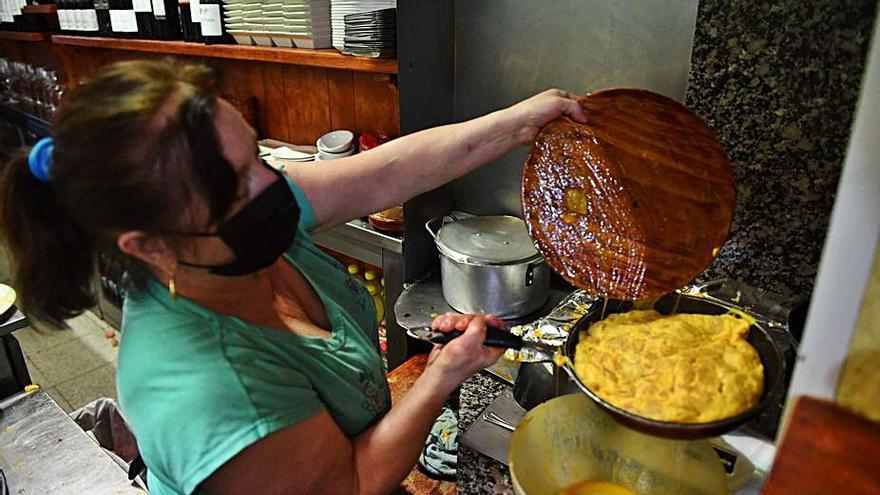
point(185, 234)
point(194, 265)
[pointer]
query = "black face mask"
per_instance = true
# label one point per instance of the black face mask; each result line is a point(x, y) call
point(259, 233)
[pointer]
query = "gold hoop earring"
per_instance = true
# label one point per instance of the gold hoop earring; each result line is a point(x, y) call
point(172, 287)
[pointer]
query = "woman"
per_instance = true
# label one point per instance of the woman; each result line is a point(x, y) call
point(245, 364)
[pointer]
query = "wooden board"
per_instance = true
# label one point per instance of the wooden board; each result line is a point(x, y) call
point(825, 450)
point(636, 202)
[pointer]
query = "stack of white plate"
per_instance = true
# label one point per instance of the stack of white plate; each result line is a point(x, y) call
point(285, 23)
point(286, 156)
point(341, 8)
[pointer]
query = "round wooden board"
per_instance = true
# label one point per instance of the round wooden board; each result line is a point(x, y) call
point(636, 202)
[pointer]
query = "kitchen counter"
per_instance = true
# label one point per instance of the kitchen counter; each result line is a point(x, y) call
point(478, 474)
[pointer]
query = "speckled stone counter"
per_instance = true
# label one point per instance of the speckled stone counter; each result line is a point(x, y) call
point(478, 474)
point(779, 81)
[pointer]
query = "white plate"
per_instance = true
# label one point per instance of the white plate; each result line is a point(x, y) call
point(285, 153)
point(7, 298)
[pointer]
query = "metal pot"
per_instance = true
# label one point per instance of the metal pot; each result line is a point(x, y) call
point(490, 265)
point(568, 439)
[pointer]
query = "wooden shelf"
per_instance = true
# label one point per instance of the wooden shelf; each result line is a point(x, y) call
point(40, 9)
point(23, 36)
point(330, 59)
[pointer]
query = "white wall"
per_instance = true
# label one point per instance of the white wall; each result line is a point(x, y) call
point(849, 249)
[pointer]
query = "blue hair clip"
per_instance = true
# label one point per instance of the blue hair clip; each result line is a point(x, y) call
point(40, 158)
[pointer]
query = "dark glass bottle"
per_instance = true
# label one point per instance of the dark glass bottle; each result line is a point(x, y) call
point(102, 11)
point(191, 30)
point(63, 16)
point(213, 31)
point(74, 18)
point(167, 20)
point(195, 14)
point(143, 11)
point(122, 19)
point(90, 18)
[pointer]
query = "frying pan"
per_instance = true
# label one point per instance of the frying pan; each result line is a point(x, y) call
point(768, 352)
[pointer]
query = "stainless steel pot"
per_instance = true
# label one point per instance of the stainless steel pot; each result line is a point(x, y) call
point(490, 265)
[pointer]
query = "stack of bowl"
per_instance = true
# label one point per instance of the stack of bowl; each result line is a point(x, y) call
point(335, 145)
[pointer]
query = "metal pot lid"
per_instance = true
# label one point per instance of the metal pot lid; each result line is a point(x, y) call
point(491, 240)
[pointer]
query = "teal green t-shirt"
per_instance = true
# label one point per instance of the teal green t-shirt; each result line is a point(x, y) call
point(197, 386)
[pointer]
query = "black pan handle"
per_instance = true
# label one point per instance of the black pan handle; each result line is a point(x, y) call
point(495, 337)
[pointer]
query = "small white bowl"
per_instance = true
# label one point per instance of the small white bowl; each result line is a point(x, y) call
point(335, 142)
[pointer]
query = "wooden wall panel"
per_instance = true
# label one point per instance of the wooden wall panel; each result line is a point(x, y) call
point(307, 102)
point(340, 85)
point(273, 114)
point(372, 91)
point(296, 104)
point(242, 84)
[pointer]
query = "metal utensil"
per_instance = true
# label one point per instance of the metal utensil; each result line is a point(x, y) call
point(491, 417)
point(495, 337)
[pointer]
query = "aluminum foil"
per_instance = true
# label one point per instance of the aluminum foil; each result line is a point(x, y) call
point(554, 328)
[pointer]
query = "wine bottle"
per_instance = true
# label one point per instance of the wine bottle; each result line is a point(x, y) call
point(195, 12)
point(122, 19)
point(167, 21)
point(92, 27)
point(5, 16)
point(63, 13)
point(186, 24)
point(79, 17)
point(102, 12)
point(143, 11)
point(213, 32)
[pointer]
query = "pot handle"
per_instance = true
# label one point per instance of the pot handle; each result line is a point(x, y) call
point(530, 271)
point(443, 219)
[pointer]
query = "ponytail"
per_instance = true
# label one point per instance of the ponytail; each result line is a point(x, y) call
point(53, 258)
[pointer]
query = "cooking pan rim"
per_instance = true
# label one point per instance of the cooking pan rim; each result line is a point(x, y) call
point(672, 429)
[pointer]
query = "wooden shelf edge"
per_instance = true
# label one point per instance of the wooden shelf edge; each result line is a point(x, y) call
point(23, 36)
point(326, 58)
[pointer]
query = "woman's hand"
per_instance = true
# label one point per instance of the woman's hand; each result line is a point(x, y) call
point(530, 115)
point(466, 354)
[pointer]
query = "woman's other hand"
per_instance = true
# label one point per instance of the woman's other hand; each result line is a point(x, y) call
point(466, 354)
point(530, 115)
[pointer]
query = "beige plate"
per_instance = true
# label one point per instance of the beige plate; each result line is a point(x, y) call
point(7, 298)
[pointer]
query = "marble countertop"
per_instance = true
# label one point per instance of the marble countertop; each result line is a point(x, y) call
point(478, 474)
